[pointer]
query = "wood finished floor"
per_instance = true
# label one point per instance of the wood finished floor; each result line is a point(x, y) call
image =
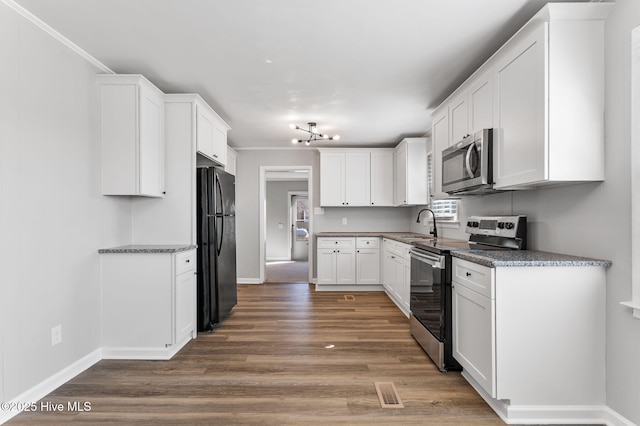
point(268, 364)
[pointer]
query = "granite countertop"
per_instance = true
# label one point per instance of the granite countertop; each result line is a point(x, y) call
point(148, 248)
point(494, 258)
point(403, 237)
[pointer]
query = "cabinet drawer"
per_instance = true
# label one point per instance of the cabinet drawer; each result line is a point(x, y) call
point(336, 242)
point(473, 276)
point(185, 261)
point(368, 242)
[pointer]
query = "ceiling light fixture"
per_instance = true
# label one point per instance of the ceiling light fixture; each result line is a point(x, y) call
point(314, 135)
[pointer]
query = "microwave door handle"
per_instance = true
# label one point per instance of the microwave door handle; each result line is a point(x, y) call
point(467, 162)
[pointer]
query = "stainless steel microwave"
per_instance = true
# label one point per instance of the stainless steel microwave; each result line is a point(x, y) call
point(467, 166)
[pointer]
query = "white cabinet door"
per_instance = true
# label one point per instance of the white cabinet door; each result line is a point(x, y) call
point(520, 150)
point(411, 173)
point(367, 266)
point(382, 177)
point(204, 131)
point(440, 135)
point(400, 156)
point(388, 269)
point(332, 179)
point(326, 266)
point(473, 336)
point(211, 133)
point(345, 266)
point(132, 133)
point(185, 303)
point(152, 143)
point(481, 104)
point(398, 278)
point(459, 118)
point(357, 178)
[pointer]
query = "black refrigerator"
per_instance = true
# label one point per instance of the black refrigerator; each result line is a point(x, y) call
point(217, 291)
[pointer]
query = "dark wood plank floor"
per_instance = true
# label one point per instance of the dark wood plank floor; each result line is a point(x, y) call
point(287, 355)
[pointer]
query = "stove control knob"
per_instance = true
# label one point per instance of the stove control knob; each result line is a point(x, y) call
point(469, 224)
point(500, 225)
point(510, 225)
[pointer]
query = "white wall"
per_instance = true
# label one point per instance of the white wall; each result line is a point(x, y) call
point(53, 219)
point(593, 219)
point(277, 193)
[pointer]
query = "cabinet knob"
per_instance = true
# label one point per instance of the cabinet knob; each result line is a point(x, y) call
point(468, 274)
point(188, 260)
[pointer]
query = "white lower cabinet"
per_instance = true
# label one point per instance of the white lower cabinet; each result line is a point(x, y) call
point(336, 261)
point(348, 261)
point(396, 265)
point(148, 303)
point(531, 339)
point(368, 261)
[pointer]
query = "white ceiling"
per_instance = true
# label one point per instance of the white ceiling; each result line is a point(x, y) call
point(369, 70)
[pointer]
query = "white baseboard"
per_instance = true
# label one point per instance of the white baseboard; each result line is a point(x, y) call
point(144, 353)
point(50, 384)
point(248, 281)
point(353, 288)
point(550, 414)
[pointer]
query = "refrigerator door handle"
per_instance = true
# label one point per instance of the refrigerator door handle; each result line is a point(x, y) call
point(219, 188)
point(219, 249)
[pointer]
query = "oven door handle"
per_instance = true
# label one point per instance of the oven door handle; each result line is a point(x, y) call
point(436, 262)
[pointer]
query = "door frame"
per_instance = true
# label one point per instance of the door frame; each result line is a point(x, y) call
point(263, 214)
point(290, 195)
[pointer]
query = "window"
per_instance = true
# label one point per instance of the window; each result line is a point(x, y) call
point(445, 210)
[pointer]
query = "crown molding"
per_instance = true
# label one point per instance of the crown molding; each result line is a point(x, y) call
point(56, 35)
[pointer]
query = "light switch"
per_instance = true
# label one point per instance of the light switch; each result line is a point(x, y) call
point(281, 226)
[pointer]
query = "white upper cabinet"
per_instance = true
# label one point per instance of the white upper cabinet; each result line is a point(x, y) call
point(357, 175)
point(459, 118)
point(345, 178)
point(521, 154)
point(549, 115)
point(132, 132)
point(411, 172)
point(332, 178)
point(543, 94)
point(440, 140)
point(481, 104)
point(382, 177)
point(211, 133)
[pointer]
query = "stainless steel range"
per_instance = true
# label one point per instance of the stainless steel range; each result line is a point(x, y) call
point(430, 300)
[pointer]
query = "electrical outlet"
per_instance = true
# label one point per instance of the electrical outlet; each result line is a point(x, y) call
point(344, 220)
point(56, 335)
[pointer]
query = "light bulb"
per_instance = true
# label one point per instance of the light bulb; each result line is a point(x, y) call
point(324, 136)
point(294, 141)
point(308, 143)
point(336, 137)
point(292, 126)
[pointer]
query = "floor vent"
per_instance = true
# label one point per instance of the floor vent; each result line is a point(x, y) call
point(349, 297)
point(388, 395)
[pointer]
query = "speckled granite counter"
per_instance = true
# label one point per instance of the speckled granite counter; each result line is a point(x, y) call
point(396, 236)
point(494, 258)
point(148, 248)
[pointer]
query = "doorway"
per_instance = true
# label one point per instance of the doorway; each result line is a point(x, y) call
point(285, 224)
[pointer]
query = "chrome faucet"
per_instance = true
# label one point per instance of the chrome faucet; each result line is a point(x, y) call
point(435, 229)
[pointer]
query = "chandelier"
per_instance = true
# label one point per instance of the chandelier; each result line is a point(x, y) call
point(313, 134)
